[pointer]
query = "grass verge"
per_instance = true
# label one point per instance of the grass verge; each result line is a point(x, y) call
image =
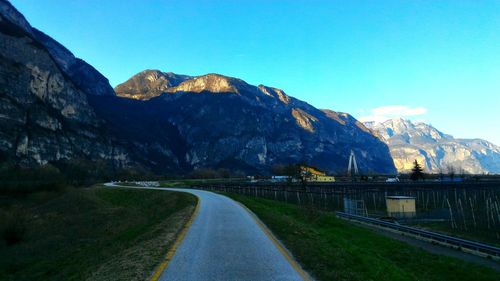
point(89, 234)
point(483, 235)
point(331, 249)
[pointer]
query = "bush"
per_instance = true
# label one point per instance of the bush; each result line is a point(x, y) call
point(209, 173)
point(15, 179)
point(14, 229)
point(56, 176)
point(81, 172)
point(204, 173)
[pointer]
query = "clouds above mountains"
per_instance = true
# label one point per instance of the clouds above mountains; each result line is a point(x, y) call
point(383, 113)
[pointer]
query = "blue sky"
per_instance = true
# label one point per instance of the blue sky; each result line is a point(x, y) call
point(435, 61)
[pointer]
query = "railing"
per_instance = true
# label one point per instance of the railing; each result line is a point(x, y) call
point(458, 242)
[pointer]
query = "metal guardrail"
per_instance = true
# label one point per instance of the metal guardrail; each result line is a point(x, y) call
point(458, 242)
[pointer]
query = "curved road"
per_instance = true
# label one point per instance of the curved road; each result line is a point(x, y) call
point(225, 242)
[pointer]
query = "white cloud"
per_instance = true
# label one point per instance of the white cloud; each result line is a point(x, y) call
point(383, 113)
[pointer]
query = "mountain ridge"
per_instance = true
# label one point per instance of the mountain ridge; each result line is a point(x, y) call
point(257, 125)
point(437, 151)
point(55, 107)
point(151, 83)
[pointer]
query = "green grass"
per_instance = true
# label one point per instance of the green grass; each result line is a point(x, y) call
point(332, 249)
point(481, 235)
point(93, 233)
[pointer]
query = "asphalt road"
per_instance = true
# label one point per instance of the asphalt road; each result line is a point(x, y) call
point(225, 242)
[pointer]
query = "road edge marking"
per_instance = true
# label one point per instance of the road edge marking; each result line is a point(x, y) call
point(163, 265)
point(277, 243)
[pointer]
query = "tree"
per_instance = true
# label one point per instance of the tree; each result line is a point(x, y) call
point(441, 174)
point(204, 173)
point(417, 172)
point(223, 173)
point(462, 172)
point(305, 175)
point(451, 172)
point(278, 170)
point(292, 171)
point(298, 172)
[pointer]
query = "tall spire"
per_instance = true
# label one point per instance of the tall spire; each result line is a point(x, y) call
point(352, 162)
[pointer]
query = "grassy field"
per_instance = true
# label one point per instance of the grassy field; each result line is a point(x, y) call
point(92, 233)
point(331, 249)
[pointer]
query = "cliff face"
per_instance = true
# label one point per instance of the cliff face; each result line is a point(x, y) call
point(438, 152)
point(82, 74)
point(221, 121)
point(45, 115)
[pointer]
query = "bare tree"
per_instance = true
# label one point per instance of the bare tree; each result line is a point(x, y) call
point(451, 172)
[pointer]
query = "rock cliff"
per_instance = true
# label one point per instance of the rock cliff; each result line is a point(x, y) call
point(45, 115)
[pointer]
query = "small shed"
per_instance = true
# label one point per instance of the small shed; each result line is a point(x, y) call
point(355, 207)
point(400, 206)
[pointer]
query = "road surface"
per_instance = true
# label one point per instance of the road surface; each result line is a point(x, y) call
point(226, 242)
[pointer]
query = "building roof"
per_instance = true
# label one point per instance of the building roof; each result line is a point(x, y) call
point(313, 170)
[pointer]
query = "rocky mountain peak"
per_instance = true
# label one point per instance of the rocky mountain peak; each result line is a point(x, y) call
point(83, 75)
point(10, 13)
point(45, 92)
point(406, 130)
point(409, 141)
point(213, 83)
point(397, 126)
point(149, 83)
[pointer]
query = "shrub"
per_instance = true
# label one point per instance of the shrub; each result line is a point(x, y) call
point(14, 229)
point(15, 179)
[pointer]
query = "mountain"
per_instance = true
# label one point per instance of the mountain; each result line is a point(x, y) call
point(45, 115)
point(220, 121)
point(437, 151)
point(149, 84)
point(56, 107)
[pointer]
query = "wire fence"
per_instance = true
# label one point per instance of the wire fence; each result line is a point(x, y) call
point(464, 207)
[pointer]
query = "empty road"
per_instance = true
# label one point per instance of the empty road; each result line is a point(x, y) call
point(226, 242)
